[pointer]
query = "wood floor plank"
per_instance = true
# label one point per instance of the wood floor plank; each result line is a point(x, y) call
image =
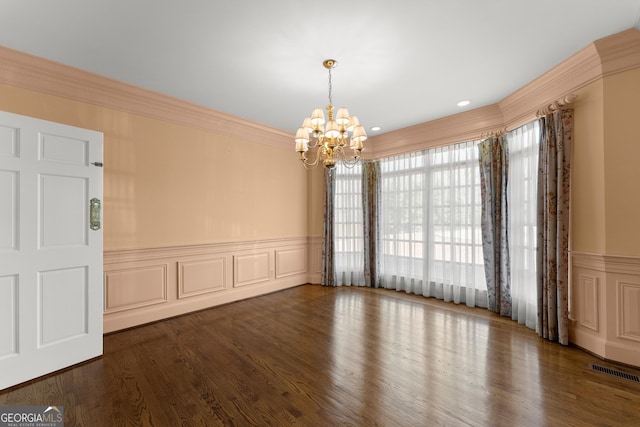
point(317, 356)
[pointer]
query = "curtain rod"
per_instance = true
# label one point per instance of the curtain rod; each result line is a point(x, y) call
point(547, 109)
point(495, 133)
point(556, 105)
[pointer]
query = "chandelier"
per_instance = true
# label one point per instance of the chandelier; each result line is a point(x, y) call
point(331, 139)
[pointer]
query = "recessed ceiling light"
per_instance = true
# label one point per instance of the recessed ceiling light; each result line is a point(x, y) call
point(375, 128)
point(464, 103)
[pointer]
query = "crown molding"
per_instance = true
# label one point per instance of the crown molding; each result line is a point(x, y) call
point(460, 127)
point(575, 72)
point(604, 57)
point(619, 52)
point(610, 55)
point(38, 74)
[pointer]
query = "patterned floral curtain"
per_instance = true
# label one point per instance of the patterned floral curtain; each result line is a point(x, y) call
point(371, 197)
point(328, 270)
point(554, 171)
point(494, 172)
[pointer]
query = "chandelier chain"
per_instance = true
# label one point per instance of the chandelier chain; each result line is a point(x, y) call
point(330, 87)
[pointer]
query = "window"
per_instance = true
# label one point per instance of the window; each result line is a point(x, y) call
point(430, 224)
point(456, 208)
point(429, 237)
point(348, 226)
point(402, 225)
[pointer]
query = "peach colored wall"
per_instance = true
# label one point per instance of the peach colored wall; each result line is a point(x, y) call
point(587, 180)
point(622, 162)
point(606, 200)
point(168, 185)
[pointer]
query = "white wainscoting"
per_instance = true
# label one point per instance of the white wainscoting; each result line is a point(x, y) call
point(252, 268)
point(202, 276)
point(146, 285)
point(150, 287)
point(290, 262)
point(605, 306)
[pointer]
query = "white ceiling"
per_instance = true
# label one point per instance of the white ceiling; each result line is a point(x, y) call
point(400, 63)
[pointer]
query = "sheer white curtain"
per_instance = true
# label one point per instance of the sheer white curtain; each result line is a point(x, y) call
point(401, 224)
point(348, 226)
point(431, 241)
point(522, 198)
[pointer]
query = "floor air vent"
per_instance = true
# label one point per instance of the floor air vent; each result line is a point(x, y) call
point(616, 373)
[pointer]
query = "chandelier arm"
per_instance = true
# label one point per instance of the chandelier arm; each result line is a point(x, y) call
point(309, 164)
point(316, 143)
point(350, 164)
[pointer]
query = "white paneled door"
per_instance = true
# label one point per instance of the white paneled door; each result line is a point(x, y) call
point(50, 247)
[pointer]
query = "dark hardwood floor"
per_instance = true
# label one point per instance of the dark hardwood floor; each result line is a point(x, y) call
point(317, 356)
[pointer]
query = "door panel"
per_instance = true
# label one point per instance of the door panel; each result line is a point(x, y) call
point(62, 304)
point(50, 260)
point(56, 148)
point(8, 315)
point(8, 210)
point(64, 211)
point(8, 141)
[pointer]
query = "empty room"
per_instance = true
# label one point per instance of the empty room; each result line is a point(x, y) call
point(317, 214)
